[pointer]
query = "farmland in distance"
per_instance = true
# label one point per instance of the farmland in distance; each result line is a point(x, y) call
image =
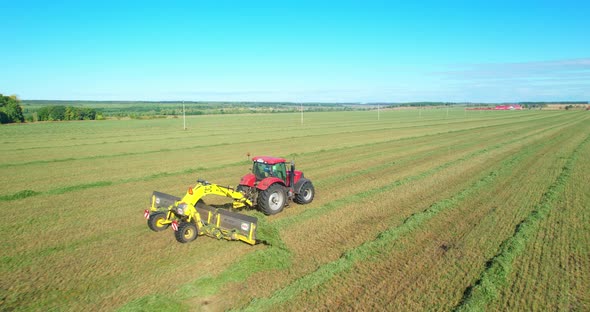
point(415, 210)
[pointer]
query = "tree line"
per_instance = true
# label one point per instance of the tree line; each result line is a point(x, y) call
point(10, 109)
point(60, 112)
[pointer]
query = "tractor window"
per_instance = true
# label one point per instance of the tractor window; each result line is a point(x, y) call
point(261, 171)
point(279, 171)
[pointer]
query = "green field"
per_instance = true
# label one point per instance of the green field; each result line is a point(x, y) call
point(149, 110)
point(418, 210)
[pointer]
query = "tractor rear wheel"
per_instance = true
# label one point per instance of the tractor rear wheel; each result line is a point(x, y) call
point(187, 232)
point(306, 194)
point(272, 200)
point(155, 222)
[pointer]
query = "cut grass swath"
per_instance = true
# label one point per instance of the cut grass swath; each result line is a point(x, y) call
point(498, 268)
point(358, 197)
point(275, 256)
point(28, 193)
point(210, 285)
point(383, 241)
point(81, 250)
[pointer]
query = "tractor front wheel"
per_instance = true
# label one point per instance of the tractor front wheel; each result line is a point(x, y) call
point(272, 200)
point(155, 222)
point(187, 232)
point(306, 194)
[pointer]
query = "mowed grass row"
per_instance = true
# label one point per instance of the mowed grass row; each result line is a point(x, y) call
point(208, 129)
point(420, 271)
point(365, 251)
point(59, 177)
point(66, 212)
point(360, 284)
point(502, 209)
point(103, 167)
point(212, 137)
point(76, 235)
point(553, 270)
point(239, 269)
point(387, 155)
point(499, 267)
point(396, 155)
point(128, 164)
point(316, 236)
point(363, 155)
point(319, 238)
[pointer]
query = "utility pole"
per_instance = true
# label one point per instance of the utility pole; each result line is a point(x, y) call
point(301, 109)
point(183, 116)
point(419, 110)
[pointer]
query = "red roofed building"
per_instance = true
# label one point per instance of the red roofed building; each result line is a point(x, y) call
point(508, 107)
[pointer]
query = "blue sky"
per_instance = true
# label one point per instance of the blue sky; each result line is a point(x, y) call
point(330, 51)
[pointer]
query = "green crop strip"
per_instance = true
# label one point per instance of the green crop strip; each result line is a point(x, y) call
point(358, 197)
point(106, 183)
point(425, 154)
point(93, 287)
point(19, 195)
point(28, 193)
point(277, 257)
point(499, 267)
point(378, 168)
point(412, 138)
point(167, 139)
point(224, 144)
point(305, 215)
point(383, 241)
point(348, 175)
point(401, 161)
point(79, 187)
point(57, 191)
point(50, 161)
point(443, 139)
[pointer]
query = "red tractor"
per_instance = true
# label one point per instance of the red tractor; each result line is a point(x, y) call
point(271, 185)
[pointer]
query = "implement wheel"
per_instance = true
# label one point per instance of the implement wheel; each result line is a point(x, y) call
point(187, 232)
point(306, 194)
point(155, 222)
point(272, 200)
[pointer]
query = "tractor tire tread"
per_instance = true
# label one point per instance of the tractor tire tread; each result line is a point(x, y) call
point(264, 197)
point(179, 235)
point(300, 197)
point(153, 220)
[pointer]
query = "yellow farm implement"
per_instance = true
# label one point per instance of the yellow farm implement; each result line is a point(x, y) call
point(190, 217)
point(269, 187)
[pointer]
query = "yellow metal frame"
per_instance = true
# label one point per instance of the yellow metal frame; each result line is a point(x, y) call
point(153, 207)
point(203, 189)
point(213, 229)
point(213, 222)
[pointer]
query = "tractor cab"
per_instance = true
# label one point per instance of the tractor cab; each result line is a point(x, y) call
point(265, 167)
point(271, 184)
point(267, 170)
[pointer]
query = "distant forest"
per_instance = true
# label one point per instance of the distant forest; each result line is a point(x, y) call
point(10, 109)
point(41, 109)
point(57, 110)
